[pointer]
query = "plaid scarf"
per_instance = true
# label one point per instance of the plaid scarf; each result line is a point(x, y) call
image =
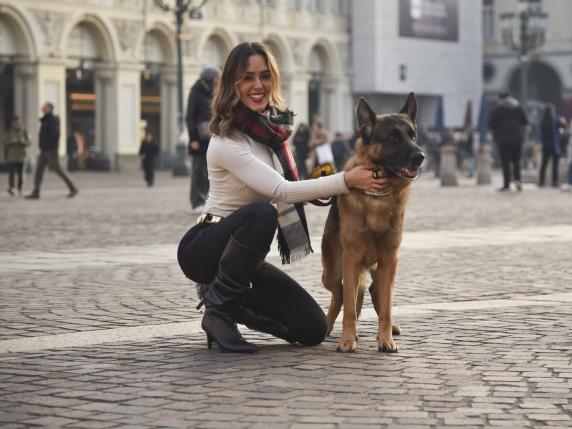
point(273, 129)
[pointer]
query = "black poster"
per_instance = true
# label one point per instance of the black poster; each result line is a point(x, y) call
point(429, 19)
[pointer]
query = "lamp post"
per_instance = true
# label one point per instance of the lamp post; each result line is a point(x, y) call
point(180, 8)
point(524, 32)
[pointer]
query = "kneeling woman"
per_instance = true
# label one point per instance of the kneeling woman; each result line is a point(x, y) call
point(225, 251)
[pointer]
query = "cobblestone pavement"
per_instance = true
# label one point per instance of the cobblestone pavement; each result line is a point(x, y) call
point(98, 327)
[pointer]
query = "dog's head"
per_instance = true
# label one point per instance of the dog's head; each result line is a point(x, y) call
point(389, 141)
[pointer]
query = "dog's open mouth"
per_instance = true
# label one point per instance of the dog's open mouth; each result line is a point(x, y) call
point(409, 172)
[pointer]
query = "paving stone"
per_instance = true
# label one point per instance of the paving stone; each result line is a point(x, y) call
point(465, 363)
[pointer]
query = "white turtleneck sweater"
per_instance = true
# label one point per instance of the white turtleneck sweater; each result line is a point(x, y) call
point(243, 172)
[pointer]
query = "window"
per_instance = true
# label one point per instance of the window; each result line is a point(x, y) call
point(318, 5)
point(488, 20)
point(341, 7)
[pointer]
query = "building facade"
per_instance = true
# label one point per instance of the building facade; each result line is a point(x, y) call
point(109, 66)
point(430, 47)
point(549, 68)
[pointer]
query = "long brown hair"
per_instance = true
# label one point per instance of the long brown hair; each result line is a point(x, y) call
point(227, 95)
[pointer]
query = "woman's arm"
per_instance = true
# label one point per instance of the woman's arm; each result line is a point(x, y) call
point(238, 159)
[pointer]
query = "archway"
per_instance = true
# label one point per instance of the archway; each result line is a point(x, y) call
point(544, 84)
point(282, 63)
point(12, 47)
point(317, 105)
point(155, 49)
point(80, 91)
point(89, 95)
point(216, 51)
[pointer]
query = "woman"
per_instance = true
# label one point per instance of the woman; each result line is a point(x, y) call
point(16, 144)
point(225, 251)
point(548, 129)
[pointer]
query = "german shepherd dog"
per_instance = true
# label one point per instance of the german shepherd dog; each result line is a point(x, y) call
point(363, 230)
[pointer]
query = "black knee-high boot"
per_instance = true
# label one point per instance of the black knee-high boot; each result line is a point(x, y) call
point(225, 294)
point(252, 319)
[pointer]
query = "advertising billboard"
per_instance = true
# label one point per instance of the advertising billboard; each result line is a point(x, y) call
point(429, 19)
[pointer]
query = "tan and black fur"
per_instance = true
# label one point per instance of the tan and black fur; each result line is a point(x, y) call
point(363, 231)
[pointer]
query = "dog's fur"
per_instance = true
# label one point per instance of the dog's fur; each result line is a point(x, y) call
point(363, 231)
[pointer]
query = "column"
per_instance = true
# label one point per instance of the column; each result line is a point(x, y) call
point(168, 88)
point(298, 96)
point(118, 114)
point(26, 103)
point(128, 137)
point(448, 167)
point(484, 164)
point(338, 107)
point(105, 110)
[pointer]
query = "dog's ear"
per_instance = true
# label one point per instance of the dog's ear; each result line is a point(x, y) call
point(410, 106)
point(365, 120)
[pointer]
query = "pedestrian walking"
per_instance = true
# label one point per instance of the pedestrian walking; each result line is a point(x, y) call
point(16, 144)
point(148, 152)
point(225, 251)
point(508, 123)
point(198, 119)
point(548, 136)
point(49, 140)
point(301, 142)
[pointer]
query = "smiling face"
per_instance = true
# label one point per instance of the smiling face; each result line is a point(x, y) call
point(255, 86)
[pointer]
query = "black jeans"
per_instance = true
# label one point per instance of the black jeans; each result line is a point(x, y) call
point(549, 155)
point(274, 293)
point(199, 180)
point(510, 154)
point(149, 170)
point(15, 169)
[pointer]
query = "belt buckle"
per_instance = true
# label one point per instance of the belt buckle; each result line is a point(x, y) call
point(208, 218)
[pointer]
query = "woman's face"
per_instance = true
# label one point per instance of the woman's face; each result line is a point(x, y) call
point(256, 85)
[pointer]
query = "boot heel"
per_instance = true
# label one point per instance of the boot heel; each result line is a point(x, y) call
point(209, 342)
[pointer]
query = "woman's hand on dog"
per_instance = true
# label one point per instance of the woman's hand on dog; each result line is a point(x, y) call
point(361, 177)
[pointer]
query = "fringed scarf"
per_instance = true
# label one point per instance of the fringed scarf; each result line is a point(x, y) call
point(273, 130)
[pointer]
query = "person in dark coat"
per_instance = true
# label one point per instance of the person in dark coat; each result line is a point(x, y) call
point(148, 152)
point(301, 142)
point(49, 141)
point(508, 124)
point(548, 135)
point(341, 150)
point(198, 120)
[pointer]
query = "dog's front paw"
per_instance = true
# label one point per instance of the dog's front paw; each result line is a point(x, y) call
point(387, 346)
point(395, 329)
point(347, 345)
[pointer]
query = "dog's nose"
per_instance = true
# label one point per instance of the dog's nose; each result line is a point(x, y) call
point(417, 159)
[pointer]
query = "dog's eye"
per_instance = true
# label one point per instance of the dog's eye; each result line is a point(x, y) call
point(395, 135)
